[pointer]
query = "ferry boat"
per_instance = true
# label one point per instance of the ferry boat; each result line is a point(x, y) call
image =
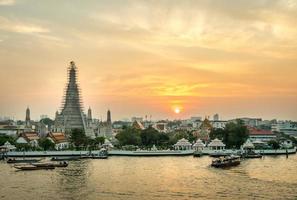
point(227, 161)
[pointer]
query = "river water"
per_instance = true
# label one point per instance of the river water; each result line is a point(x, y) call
point(154, 178)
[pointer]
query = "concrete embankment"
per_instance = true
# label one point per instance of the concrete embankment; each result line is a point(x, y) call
point(151, 153)
point(110, 153)
point(276, 152)
point(47, 153)
point(140, 153)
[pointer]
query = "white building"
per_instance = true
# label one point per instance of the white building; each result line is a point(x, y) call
point(196, 124)
point(256, 134)
point(8, 146)
point(183, 144)
point(9, 128)
point(216, 117)
point(248, 145)
point(199, 145)
point(218, 124)
point(287, 144)
point(253, 122)
point(215, 124)
point(59, 139)
point(30, 138)
point(287, 127)
point(9, 131)
point(195, 119)
point(216, 144)
point(43, 117)
point(21, 140)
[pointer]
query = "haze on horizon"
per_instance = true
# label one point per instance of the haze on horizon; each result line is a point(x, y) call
point(236, 58)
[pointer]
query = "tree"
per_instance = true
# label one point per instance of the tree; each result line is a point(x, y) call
point(78, 137)
point(179, 134)
point(237, 134)
point(5, 138)
point(233, 135)
point(274, 144)
point(99, 140)
point(281, 136)
point(46, 144)
point(218, 133)
point(93, 143)
point(149, 136)
point(47, 121)
point(129, 136)
point(163, 140)
point(23, 147)
point(191, 137)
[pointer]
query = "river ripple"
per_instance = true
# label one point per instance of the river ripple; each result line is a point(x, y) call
point(154, 178)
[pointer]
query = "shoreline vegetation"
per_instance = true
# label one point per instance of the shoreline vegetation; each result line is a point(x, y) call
point(131, 139)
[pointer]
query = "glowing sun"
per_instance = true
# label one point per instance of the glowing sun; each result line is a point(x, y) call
point(177, 110)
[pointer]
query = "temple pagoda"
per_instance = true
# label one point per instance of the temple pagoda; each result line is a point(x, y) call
point(71, 115)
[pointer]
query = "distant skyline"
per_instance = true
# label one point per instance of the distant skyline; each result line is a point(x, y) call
point(235, 58)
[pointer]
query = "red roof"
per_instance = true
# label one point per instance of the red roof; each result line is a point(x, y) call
point(29, 136)
point(138, 125)
point(58, 137)
point(256, 131)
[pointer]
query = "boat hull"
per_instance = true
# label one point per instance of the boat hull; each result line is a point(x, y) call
point(50, 164)
point(225, 165)
point(216, 155)
point(12, 161)
point(252, 156)
point(197, 154)
point(32, 167)
point(65, 158)
point(99, 157)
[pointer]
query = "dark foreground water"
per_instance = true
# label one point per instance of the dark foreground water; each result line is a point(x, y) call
point(154, 178)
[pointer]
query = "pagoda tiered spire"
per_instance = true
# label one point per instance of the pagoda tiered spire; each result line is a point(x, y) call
point(72, 115)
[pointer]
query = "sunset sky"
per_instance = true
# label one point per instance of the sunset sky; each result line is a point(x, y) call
point(236, 58)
